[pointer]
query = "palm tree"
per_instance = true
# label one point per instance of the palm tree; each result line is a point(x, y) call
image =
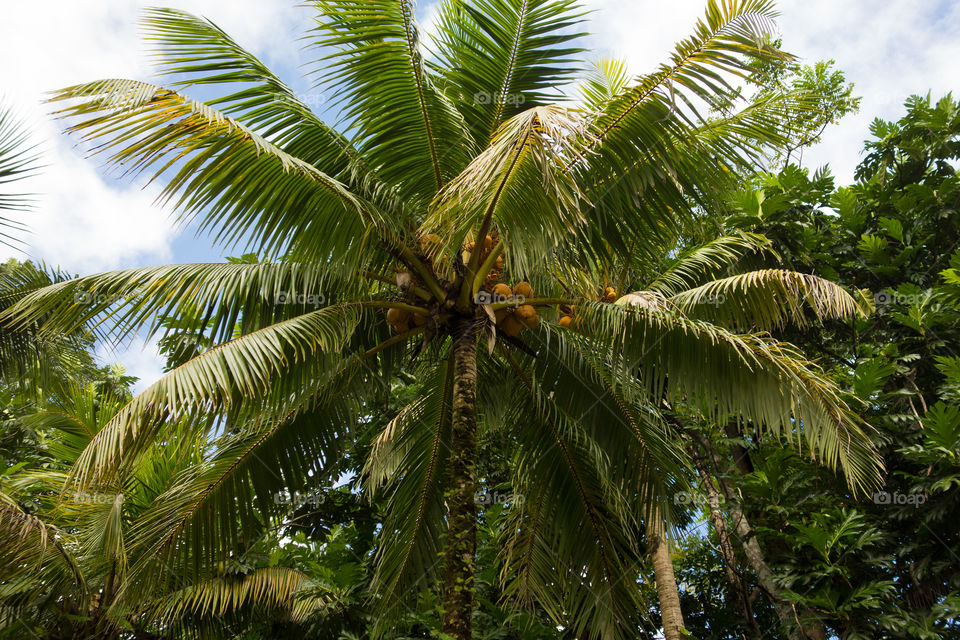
point(376, 219)
point(69, 558)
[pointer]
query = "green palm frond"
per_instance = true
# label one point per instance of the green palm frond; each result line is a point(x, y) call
point(499, 57)
point(517, 185)
point(569, 544)
point(36, 557)
point(18, 161)
point(644, 159)
point(693, 266)
point(411, 133)
point(767, 299)
point(214, 508)
point(201, 54)
point(245, 187)
point(604, 80)
point(263, 589)
point(216, 380)
point(408, 464)
point(747, 376)
point(232, 296)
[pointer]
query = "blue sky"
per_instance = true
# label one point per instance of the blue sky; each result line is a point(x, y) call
point(87, 221)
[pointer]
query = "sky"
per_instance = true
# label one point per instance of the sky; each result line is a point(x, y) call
point(87, 220)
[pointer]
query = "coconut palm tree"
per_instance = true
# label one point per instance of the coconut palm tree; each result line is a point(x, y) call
point(392, 239)
point(68, 556)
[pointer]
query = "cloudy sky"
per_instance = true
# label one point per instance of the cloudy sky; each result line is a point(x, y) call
point(88, 221)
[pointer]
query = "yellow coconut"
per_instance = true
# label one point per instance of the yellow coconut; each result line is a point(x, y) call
point(527, 315)
point(609, 294)
point(511, 326)
point(565, 321)
point(399, 319)
point(487, 244)
point(502, 293)
point(523, 289)
point(500, 314)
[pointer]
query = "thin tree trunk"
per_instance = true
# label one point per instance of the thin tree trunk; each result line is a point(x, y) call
point(460, 552)
point(671, 615)
point(737, 584)
point(789, 617)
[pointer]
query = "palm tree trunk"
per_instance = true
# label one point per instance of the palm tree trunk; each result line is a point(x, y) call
point(789, 615)
point(737, 584)
point(671, 615)
point(459, 555)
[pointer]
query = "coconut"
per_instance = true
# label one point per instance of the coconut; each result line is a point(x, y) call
point(511, 326)
point(502, 293)
point(487, 244)
point(565, 321)
point(500, 314)
point(527, 315)
point(399, 319)
point(498, 263)
point(523, 289)
point(417, 320)
point(609, 294)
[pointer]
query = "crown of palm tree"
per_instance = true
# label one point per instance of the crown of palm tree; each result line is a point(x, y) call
point(434, 152)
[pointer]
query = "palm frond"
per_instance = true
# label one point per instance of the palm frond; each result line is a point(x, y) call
point(604, 80)
point(216, 381)
point(18, 161)
point(747, 376)
point(517, 186)
point(644, 161)
point(408, 464)
point(767, 299)
point(245, 187)
point(694, 265)
point(230, 296)
point(499, 57)
point(569, 542)
point(409, 132)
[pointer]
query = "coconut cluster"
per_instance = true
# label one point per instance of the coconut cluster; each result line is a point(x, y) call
point(489, 244)
point(513, 320)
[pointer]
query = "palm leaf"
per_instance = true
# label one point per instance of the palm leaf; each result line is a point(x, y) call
point(407, 129)
point(244, 186)
point(499, 57)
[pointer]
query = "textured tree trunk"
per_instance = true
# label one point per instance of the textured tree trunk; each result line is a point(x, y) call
point(788, 614)
point(670, 613)
point(460, 552)
point(737, 584)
